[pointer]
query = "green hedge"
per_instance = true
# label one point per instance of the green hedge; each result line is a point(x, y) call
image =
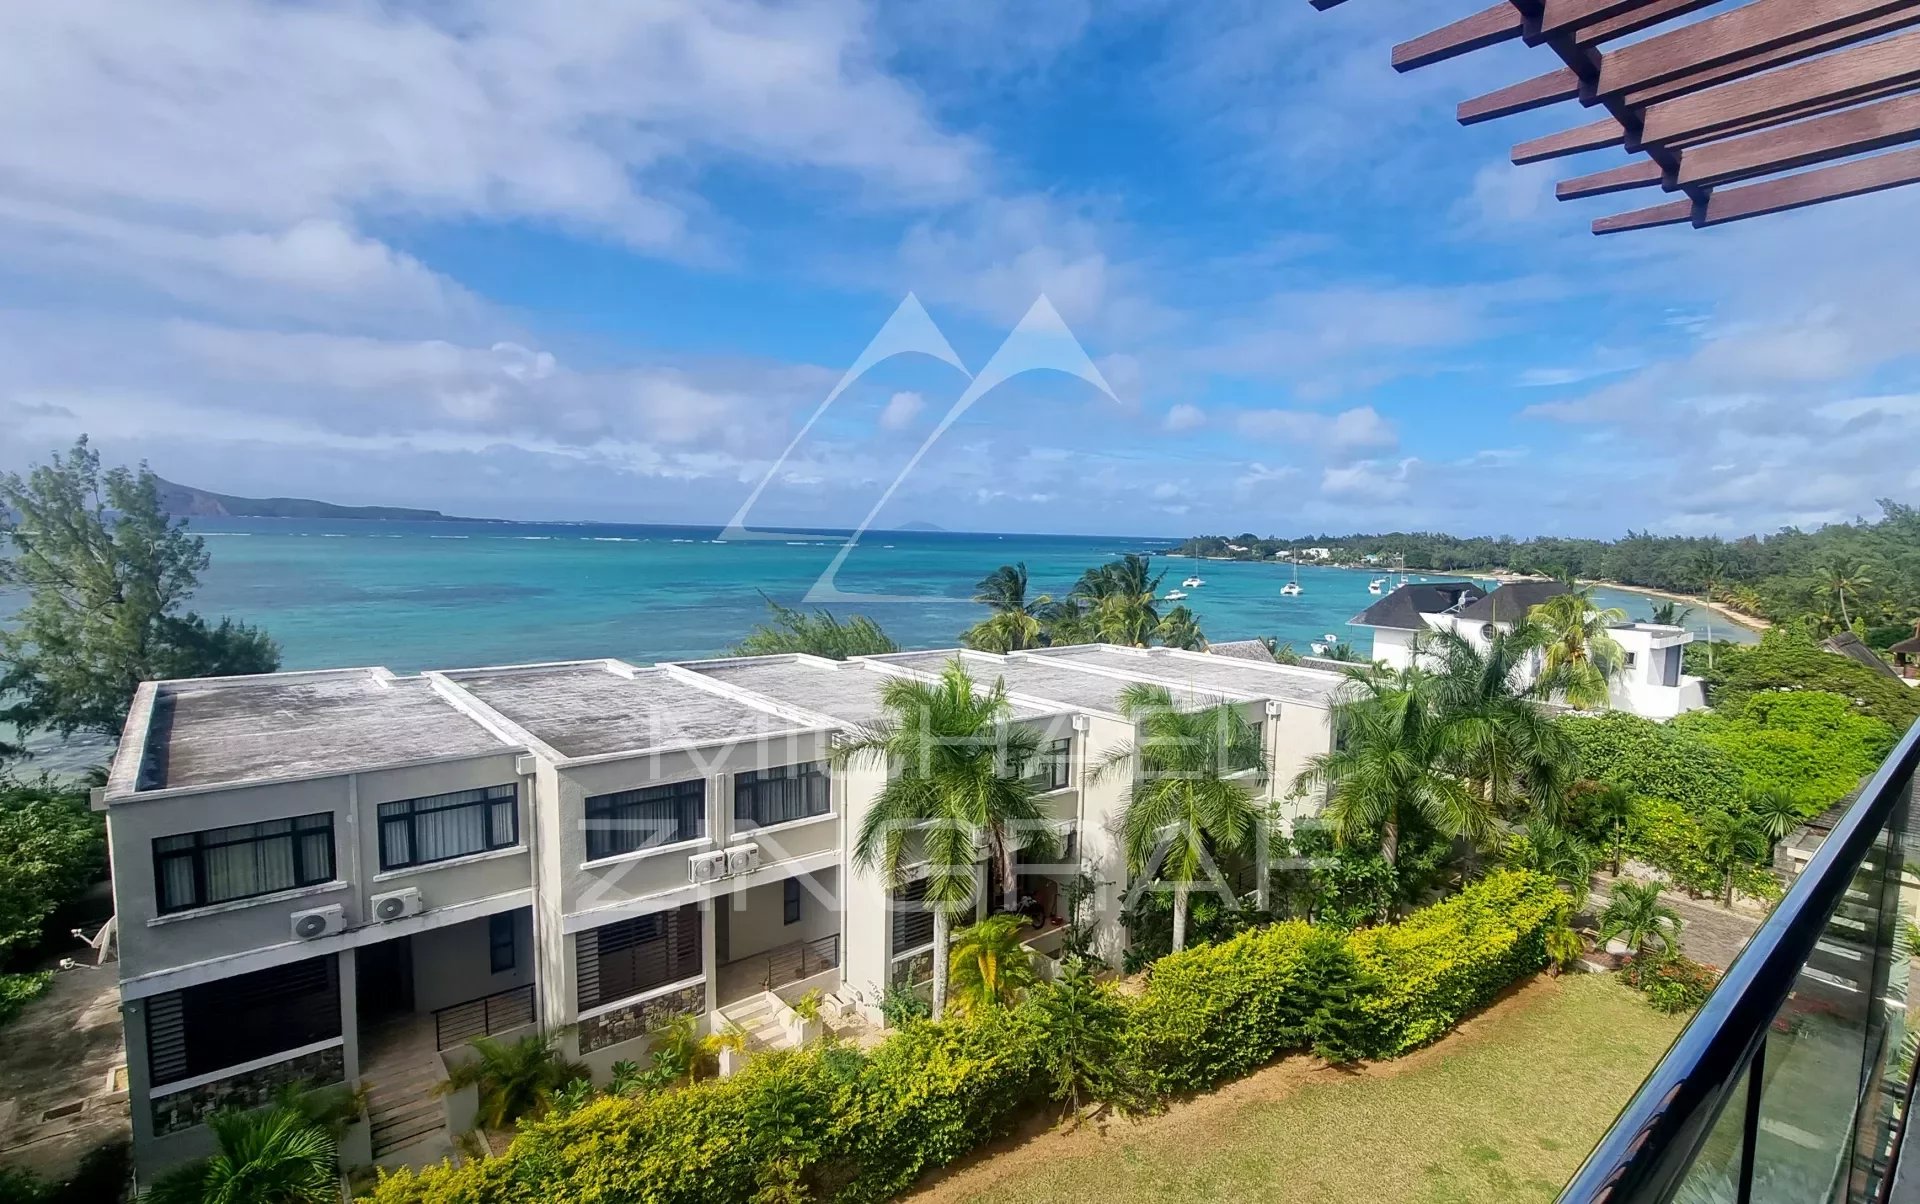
point(1658, 759)
point(830, 1123)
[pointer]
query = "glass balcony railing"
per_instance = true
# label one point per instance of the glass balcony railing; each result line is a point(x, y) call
point(1792, 1083)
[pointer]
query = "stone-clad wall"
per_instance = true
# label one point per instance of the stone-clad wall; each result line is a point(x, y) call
point(636, 1020)
point(253, 1089)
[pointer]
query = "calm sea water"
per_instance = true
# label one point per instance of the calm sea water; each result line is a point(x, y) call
point(444, 595)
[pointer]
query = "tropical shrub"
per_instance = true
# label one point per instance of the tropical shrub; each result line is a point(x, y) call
point(18, 990)
point(1665, 835)
point(1816, 745)
point(1658, 759)
point(51, 848)
point(1446, 960)
point(1670, 982)
point(832, 1123)
point(1785, 659)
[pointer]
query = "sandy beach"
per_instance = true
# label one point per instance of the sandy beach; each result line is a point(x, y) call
point(1750, 622)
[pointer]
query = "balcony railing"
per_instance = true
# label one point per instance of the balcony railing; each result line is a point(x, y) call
point(1793, 1080)
point(487, 1016)
point(802, 959)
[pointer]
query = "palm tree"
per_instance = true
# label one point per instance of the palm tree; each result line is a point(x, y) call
point(1186, 802)
point(1610, 809)
point(1564, 946)
point(990, 967)
point(1728, 842)
point(1636, 915)
point(513, 1079)
point(1119, 598)
point(272, 1156)
point(1015, 622)
point(1581, 658)
point(1839, 580)
point(1672, 614)
point(1557, 853)
point(956, 765)
point(1512, 751)
point(1179, 629)
point(1776, 812)
point(817, 633)
point(1067, 621)
point(1390, 765)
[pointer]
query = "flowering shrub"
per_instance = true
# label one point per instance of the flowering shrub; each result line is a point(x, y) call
point(1670, 983)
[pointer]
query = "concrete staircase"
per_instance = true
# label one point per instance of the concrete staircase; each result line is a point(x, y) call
point(399, 1071)
point(755, 1014)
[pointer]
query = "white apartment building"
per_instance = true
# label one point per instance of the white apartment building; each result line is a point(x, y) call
point(1650, 683)
point(345, 876)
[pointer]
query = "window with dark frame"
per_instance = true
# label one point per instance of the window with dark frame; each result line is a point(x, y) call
point(220, 865)
point(765, 797)
point(500, 942)
point(440, 827)
point(1052, 766)
point(632, 820)
point(214, 1025)
point(912, 919)
point(617, 961)
point(790, 901)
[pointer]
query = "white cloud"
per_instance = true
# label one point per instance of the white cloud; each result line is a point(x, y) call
point(1357, 429)
point(1184, 417)
point(1368, 480)
point(900, 411)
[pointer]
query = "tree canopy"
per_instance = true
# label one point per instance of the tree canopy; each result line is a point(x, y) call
point(107, 576)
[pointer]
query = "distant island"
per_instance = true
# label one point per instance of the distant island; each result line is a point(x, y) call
point(186, 501)
point(921, 527)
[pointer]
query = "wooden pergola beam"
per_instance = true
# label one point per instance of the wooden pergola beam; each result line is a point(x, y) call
point(1856, 131)
point(1788, 52)
point(1641, 173)
point(1488, 27)
point(1558, 15)
point(1667, 213)
point(1593, 136)
point(1535, 93)
point(1853, 74)
point(1857, 178)
point(1742, 33)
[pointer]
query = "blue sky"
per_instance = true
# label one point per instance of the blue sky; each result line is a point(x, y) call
point(602, 261)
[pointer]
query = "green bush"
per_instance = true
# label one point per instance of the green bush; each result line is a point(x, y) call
point(1671, 984)
point(51, 848)
point(1786, 659)
point(1658, 759)
point(830, 1123)
point(1667, 836)
point(1814, 745)
point(16, 990)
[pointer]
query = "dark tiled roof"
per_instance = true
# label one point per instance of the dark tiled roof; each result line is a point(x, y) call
point(1246, 650)
point(1512, 601)
point(1403, 607)
point(1852, 646)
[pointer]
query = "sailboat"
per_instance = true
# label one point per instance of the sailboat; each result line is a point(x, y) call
point(1292, 588)
point(1195, 581)
point(1374, 586)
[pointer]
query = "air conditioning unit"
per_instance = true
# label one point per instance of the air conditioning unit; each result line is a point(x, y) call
point(321, 921)
point(743, 859)
point(706, 867)
point(397, 905)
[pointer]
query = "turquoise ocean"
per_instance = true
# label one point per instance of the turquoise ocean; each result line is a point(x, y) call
point(415, 595)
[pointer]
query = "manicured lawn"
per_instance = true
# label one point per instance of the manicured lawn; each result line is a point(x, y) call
point(1502, 1110)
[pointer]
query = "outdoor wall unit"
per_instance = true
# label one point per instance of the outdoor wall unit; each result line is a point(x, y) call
point(706, 867)
point(318, 922)
point(743, 859)
point(397, 905)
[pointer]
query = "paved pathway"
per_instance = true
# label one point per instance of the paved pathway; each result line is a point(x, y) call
point(1709, 933)
point(62, 1050)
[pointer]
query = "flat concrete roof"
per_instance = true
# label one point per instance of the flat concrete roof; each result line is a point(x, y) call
point(849, 693)
point(1285, 683)
point(1068, 687)
point(599, 708)
point(229, 731)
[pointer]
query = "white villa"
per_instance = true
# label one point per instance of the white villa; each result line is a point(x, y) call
point(345, 876)
point(1650, 683)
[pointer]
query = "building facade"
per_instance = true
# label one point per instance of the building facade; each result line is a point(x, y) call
point(1651, 681)
point(345, 876)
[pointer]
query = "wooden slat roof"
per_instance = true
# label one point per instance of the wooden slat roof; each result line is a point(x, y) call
point(1769, 106)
